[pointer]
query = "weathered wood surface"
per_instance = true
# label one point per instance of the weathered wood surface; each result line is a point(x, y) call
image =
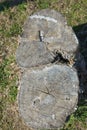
point(48, 95)
point(49, 85)
point(49, 32)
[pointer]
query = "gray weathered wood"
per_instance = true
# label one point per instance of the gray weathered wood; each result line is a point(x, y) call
point(57, 38)
point(48, 95)
point(49, 85)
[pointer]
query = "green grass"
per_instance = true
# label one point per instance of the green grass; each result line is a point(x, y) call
point(78, 120)
point(44, 4)
point(11, 23)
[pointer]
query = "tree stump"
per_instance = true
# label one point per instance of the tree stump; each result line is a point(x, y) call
point(49, 85)
point(48, 95)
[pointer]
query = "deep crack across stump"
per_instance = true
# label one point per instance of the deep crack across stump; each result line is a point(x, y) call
point(60, 59)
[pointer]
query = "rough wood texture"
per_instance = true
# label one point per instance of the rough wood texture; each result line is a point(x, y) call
point(48, 96)
point(49, 87)
point(34, 54)
point(46, 27)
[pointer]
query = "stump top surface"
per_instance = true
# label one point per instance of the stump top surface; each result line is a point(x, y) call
point(50, 28)
point(48, 96)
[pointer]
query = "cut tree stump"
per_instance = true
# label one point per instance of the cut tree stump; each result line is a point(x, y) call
point(45, 38)
point(48, 96)
point(49, 85)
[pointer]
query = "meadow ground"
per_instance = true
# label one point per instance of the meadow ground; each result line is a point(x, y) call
point(12, 17)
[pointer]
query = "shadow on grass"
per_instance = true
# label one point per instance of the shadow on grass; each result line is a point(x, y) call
point(81, 33)
point(6, 4)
